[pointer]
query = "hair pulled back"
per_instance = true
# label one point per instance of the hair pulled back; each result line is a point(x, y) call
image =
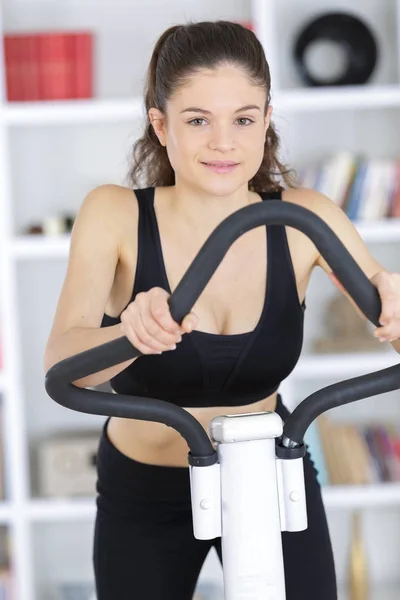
point(178, 54)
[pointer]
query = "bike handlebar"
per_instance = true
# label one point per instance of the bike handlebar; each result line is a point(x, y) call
point(365, 295)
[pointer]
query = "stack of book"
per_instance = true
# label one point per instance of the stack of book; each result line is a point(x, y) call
point(366, 189)
point(350, 454)
point(48, 65)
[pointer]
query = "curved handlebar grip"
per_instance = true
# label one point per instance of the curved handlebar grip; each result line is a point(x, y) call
point(337, 394)
point(275, 212)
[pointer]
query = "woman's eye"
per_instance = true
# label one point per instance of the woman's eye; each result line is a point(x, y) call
point(245, 119)
point(198, 121)
point(193, 121)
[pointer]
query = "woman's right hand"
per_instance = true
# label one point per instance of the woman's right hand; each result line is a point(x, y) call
point(149, 326)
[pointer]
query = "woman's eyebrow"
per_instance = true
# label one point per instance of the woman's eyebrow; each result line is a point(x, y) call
point(203, 110)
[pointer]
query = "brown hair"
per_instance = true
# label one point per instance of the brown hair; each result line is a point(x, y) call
point(179, 52)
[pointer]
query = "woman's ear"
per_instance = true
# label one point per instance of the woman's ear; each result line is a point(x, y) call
point(268, 118)
point(157, 119)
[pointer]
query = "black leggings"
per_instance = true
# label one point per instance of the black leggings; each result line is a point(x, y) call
point(144, 547)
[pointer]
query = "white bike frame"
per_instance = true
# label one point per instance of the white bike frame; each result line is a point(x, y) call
point(248, 498)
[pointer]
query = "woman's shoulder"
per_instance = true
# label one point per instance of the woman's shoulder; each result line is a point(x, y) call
point(299, 195)
point(311, 199)
point(339, 223)
point(320, 205)
point(110, 193)
point(111, 201)
point(111, 209)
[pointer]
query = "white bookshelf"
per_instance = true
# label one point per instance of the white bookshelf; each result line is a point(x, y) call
point(331, 99)
point(335, 497)
point(28, 247)
point(358, 496)
point(61, 510)
point(19, 255)
point(342, 365)
point(64, 112)
point(34, 114)
point(82, 509)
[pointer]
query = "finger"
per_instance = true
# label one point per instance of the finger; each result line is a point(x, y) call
point(128, 330)
point(160, 311)
point(389, 299)
point(381, 336)
point(190, 322)
point(390, 332)
point(389, 311)
point(152, 335)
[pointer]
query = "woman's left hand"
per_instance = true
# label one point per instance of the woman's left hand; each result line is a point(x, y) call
point(388, 286)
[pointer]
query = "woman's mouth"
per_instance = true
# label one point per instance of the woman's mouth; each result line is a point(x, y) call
point(221, 166)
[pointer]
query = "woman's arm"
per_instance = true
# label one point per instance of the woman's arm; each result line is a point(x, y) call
point(93, 258)
point(387, 283)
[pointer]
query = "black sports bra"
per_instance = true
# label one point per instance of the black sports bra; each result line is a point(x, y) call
point(210, 369)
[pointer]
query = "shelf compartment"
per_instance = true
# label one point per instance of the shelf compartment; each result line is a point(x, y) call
point(335, 497)
point(71, 111)
point(38, 246)
point(61, 509)
point(361, 496)
point(342, 365)
point(333, 98)
point(98, 110)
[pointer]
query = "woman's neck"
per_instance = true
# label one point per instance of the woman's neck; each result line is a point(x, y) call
point(201, 212)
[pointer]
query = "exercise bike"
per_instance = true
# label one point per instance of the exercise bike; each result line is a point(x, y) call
point(246, 477)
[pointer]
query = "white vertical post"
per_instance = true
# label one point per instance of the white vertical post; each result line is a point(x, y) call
point(397, 41)
point(14, 432)
point(263, 14)
point(251, 528)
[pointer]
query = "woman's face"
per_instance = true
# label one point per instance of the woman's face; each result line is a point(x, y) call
point(217, 116)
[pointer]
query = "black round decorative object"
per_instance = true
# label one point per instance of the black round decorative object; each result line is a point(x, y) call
point(352, 35)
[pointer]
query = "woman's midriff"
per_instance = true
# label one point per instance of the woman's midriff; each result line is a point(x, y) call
point(158, 444)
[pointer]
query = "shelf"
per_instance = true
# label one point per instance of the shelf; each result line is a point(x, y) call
point(64, 112)
point(320, 365)
point(385, 230)
point(361, 496)
point(6, 513)
point(61, 509)
point(37, 246)
point(335, 497)
point(57, 246)
point(331, 98)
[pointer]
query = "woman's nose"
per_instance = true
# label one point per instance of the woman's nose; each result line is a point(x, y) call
point(221, 138)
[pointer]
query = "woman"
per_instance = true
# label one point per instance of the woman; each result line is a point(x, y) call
point(209, 149)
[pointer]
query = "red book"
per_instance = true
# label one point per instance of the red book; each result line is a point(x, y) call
point(12, 61)
point(21, 62)
point(28, 71)
point(83, 65)
point(56, 66)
